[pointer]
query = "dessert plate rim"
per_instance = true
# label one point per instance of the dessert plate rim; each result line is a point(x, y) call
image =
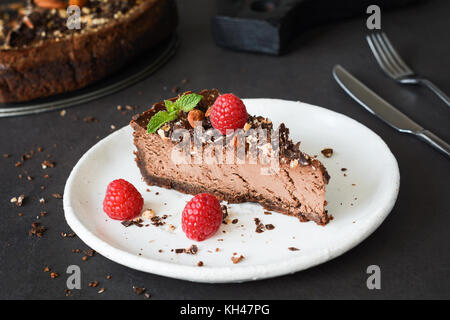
point(233, 273)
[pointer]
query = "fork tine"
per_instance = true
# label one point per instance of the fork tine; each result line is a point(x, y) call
point(395, 54)
point(397, 69)
point(379, 55)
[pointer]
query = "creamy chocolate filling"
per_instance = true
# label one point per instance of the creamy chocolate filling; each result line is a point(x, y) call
point(297, 189)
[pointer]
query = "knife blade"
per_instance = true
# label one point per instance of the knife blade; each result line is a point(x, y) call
point(384, 110)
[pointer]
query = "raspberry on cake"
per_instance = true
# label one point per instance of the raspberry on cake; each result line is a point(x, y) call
point(296, 189)
point(228, 113)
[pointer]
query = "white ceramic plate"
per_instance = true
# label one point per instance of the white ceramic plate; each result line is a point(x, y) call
point(359, 202)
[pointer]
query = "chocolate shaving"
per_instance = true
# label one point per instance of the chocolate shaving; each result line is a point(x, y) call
point(270, 226)
point(128, 223)
point(259, 226)
point(224, 213)
point(327, 152)
point(138, 290)
point(191, 250)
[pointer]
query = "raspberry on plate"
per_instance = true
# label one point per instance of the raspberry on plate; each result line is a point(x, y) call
point(228, 112)
point(202, 217)
point(122, 200)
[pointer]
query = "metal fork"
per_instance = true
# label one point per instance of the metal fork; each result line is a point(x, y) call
point(394, 66)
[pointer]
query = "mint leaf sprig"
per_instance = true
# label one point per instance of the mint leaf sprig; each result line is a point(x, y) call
point(186, 103)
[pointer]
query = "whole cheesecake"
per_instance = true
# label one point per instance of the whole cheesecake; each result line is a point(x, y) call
point(296, 188)
point(40, 56)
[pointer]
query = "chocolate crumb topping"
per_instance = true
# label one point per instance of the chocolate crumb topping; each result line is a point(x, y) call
point(22, 26)
point(288, 150)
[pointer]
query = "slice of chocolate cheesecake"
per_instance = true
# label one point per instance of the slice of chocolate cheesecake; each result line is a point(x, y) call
point(290, 182)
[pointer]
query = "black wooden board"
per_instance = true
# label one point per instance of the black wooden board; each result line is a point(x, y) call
point(267, 26)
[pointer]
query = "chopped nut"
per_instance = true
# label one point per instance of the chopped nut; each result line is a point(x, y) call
point(247, 126)
point(195, 116)
point(293, 164)
point(54, 275)
point(148, 214)
point(237, 259)
point(28, 22)
point(20, 200)
point(79, 3)
point(47, 164)
point(50, 4)
point(161, 133)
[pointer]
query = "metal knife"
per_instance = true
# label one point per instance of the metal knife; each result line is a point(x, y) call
point(384, 110)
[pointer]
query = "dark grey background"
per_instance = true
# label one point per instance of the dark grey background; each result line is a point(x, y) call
point(412, 246)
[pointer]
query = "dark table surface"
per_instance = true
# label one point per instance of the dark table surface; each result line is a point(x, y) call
point(412, 246)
